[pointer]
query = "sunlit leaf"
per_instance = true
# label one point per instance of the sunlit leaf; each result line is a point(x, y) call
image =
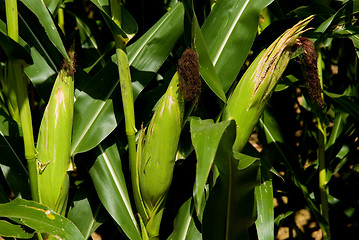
point(40, 10)
point(205, 138)
point(230, 208)
point(40, 218)
point(109, 181)
point(206, 67)
point(94, 117)
point(229, 35)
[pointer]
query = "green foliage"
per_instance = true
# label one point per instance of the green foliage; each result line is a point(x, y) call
point(242, 161)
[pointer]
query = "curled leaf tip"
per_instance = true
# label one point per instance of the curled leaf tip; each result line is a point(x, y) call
point(189, 77)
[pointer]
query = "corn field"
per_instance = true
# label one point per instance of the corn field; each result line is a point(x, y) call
point(169, 119)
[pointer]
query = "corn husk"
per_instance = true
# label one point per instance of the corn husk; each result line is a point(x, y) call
point(156, 156)
point(251, 95)
point(54, 144)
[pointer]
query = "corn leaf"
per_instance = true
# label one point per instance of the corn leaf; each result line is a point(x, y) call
point(13, 50)
point(13, 230)
point(147, 54)
point(34, 35)
point(128, 26)
point(109, 181)
point(206, 137)
point(184, 226)
point(41, 74)
point(264, 200)
point(94, 117)
point(230, 208)
point(11, 163)
point(52, 5)
point(278, 151)
point(86, 211)
point(346, 104)
point(206, 67)
point(40, 218)
point(229, 35)
point(40, 10)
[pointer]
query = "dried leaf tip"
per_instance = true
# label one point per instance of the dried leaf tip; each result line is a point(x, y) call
point(310, 58)
point(189, 76)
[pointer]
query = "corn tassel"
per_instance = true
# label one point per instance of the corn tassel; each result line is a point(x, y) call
point(250, 96)
point(157, 157)
point(54, 143)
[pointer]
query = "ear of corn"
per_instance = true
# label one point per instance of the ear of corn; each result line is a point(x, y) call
point(157, 157)
point(54, 143)
point(250, 96)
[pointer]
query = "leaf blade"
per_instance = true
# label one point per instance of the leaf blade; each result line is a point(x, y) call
point(235, 28)
point(40, 218)
point(110, 185)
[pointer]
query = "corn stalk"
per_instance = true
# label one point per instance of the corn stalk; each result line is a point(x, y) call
point(15, 91)
point(323, 174)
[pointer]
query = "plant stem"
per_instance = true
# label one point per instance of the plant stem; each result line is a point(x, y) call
point(127, 102)
point(20, 88)
point(61, 19)
point(127, 95)
point(128, 106)
point(324, 208)
point(12, 19)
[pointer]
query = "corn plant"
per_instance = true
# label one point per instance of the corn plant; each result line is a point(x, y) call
point(228, 119)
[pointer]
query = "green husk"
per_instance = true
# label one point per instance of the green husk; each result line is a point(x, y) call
point(250, 96)
point(54, 143)
point(156, 158)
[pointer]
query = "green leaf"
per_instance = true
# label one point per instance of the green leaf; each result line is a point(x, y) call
point(264, 199)
point(13, 50)
point(94, 117)
point(40, 218)
point(52, 5)
point(86, 211)
point(206, 67)
point(128, 26)
point(229, 35)
point(184, 226)
point(43, 71)
point(230, 209)
point(281, 217)
point(13, 230)
point(206, 136)
point(148, 53)
point(40, 10)
point(277, 150)
point(41, 75)
point(352, 33)
point(11, 150)
point(109, 181)
point(33, 34)
point(346, 104)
